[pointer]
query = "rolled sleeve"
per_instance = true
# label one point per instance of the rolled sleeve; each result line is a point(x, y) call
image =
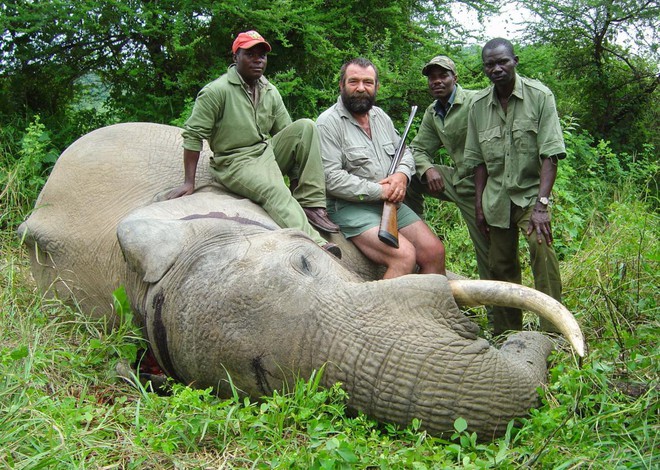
point(406, 165)
point(550, 136)
point(473, 156)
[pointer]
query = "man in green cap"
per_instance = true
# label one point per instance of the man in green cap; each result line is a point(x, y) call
point(444, 125)
point(514, 142)
point(254, 142)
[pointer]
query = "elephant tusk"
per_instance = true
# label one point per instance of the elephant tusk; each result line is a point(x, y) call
point(472, 293)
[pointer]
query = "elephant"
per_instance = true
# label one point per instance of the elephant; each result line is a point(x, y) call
point(229, 300)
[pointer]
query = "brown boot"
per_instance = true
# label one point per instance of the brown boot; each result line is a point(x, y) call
point(319, 219)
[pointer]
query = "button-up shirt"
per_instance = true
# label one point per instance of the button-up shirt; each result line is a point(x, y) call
point(354, 162)
point(226, 116)
point(436, 132)
point(512, 145)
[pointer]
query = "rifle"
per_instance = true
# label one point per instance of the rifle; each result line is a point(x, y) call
point(389, 227)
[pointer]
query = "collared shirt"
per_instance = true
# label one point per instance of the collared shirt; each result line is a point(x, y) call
point(353, 162)
point(253, 93)
point(512, 145)
point(440, 109)
point(449, 133)
point(225, 115)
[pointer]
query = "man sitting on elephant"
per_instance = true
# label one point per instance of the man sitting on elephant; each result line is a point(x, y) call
point(237, 114)
point(358, 141)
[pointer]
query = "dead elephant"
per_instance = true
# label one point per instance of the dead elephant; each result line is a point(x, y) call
point(221, 289)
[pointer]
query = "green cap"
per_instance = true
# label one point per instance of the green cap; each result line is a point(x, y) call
point(441, 61)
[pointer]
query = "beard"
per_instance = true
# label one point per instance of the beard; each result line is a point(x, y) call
point(358, 103)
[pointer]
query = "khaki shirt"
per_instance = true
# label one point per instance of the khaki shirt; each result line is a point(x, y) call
point(434, 133)
point(512, 145)
point(224, 115)
point(353, 162)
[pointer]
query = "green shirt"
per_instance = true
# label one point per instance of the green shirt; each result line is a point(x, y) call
point(434, 132)
point(512, 145)
point(226, 117)
point(353, 162)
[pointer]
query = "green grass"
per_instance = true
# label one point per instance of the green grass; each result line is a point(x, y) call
point(62, 405)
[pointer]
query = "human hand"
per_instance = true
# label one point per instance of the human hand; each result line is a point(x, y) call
point(435, 181)
point(539, 222)
point(184, 190)
point(394, 188)
point(482, 225)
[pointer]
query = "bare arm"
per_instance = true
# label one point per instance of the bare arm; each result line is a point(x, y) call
point(480, 178)
point(190, 159)
point(539, 221)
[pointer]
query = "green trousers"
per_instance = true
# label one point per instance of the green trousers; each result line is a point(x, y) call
point(295, 150)
point(505, 266)
point(463, 197)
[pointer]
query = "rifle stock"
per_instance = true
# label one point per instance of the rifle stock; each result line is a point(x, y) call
point(388, 232)
point(389, 226)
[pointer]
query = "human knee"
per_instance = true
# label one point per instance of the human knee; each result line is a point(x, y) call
point(539, 251)
point(432, 251)
point(303, 125)
point(405, 256)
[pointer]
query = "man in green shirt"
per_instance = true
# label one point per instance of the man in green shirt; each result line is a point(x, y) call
point(444, 125)
point(249, 131)
point(514, 141)
point(359, 141)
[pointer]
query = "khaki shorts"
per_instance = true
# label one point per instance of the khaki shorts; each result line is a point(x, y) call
point(355, 218)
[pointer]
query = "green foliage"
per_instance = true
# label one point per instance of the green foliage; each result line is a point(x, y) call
point(591, 177)
point(606, 55)
point(22, 179)
point(148, 58)
point(84, 64)
point(613, 290)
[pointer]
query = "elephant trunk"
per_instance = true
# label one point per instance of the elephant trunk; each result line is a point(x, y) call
point(472, 293)
point(423, 359)
point(417, 372)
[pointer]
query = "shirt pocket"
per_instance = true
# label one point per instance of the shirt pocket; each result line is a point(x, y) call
point(525, 136)
point(491, 142)
point(359, 161)
point(389, 150)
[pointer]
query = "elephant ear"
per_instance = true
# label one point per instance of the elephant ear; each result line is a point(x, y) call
point(151, 246)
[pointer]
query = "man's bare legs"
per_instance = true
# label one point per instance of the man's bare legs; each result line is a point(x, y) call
point(430, 251)
point(418, 245)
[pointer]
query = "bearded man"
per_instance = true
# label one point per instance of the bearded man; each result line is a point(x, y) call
point(358, 143)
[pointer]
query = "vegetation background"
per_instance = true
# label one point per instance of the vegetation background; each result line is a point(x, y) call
point(68, 67)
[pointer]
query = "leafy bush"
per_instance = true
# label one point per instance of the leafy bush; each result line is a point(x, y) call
point(22, 179)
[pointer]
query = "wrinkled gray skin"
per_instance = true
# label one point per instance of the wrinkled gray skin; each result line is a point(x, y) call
point(219, 289)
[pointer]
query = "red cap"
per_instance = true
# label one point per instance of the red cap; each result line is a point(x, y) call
point(247, 40)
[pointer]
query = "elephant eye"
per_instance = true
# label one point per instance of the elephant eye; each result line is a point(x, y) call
point(306, 267)
point(304, 262)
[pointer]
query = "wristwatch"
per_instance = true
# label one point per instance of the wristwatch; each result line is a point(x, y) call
point(544, 200)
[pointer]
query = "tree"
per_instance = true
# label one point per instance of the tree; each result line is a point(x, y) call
point(608, 52)
point(153, 56)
